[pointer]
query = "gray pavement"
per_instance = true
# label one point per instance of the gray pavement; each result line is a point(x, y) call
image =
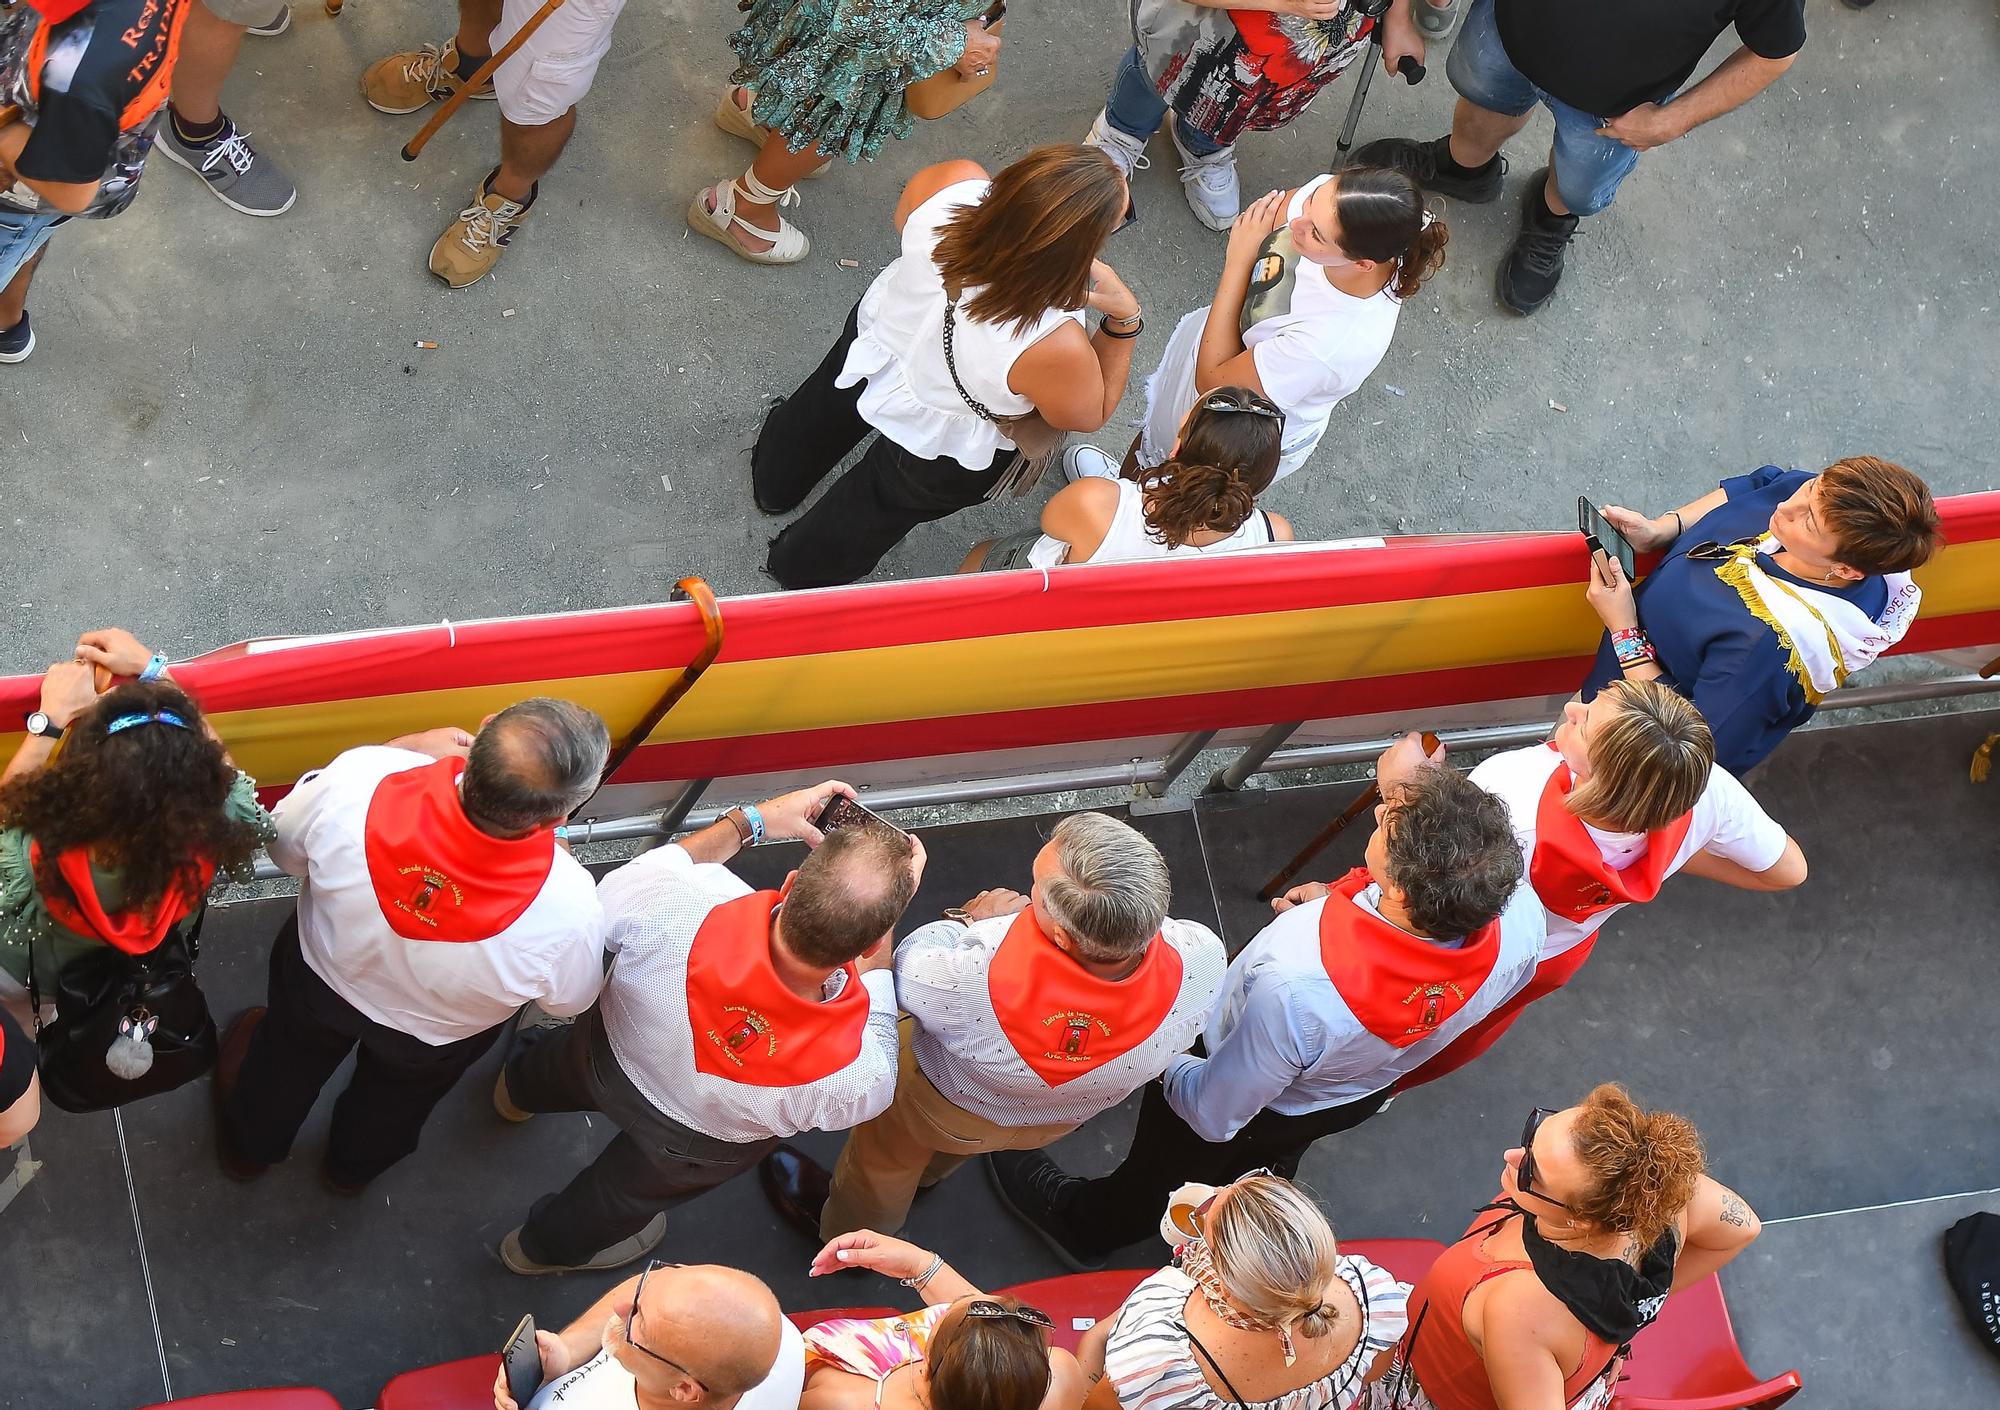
point(226, 430)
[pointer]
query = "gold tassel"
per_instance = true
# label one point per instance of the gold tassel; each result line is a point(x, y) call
point(1736, 572)
point(1982, 759)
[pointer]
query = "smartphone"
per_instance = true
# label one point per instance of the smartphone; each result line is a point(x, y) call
point(842, 811)
point(523, 1359)
point(1600, 534)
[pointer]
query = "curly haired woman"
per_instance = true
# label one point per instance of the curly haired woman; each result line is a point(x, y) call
point(115, 813)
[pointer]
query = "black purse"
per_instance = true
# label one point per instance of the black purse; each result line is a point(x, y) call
point(126, 1026)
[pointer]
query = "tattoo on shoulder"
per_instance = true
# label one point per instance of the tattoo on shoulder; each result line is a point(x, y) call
point(1735, 1211)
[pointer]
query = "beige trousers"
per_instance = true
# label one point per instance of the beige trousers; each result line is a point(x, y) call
point(918, 1141)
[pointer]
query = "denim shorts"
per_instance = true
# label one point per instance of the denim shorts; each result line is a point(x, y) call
point(21, 234)
point(1588, 168)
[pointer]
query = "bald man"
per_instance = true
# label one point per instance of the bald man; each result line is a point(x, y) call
point(699, 1337)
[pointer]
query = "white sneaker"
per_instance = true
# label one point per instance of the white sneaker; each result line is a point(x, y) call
point(1129, 152)
point(1210, 184)
point(1087, 461)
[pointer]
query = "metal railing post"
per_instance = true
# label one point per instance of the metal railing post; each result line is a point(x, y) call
point(1237, 771)
point(1184, 752)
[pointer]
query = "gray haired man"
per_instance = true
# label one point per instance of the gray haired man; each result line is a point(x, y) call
point(435, 901)
point(1029, 1015)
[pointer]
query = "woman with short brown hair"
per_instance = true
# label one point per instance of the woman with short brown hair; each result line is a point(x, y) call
point(1603, 1210)
point(970, 343)
point(1776, 587)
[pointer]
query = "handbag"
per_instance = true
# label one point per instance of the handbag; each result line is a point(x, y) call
point(948, 89)
point(1972, 1265)
point(126, 1026)
point(1036, 442)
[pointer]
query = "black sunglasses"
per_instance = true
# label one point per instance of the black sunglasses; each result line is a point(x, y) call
point(633, 1342)
point(1241, 399)
point(1526, 1179)
point(1033, 1316)
point(1710, 551)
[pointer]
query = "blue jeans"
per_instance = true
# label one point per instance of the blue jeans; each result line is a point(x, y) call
point(1588, 168)
point(1135, 108)
point(21, 234)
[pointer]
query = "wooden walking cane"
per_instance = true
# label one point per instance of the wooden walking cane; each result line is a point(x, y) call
point(1370, 796)
point(479, 76)
point(703, 597)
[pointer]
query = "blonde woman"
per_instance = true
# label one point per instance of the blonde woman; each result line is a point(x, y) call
point(1259, 1309)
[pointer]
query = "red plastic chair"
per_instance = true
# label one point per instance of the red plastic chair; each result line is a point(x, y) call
point(275, 1398)
point(1689, 1360)
point(451, 1385)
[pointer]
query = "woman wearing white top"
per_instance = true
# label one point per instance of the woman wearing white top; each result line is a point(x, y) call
point(1202, 501)
point(981, 320)
point(1259, 1310)
point(1310, 291)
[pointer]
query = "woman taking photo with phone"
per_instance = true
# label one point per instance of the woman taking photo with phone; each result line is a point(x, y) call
point(966, 358)
point(1775, 589)
point(1603, 1210)
point(1312, 285)
point(821, 79)
point(1202, 501)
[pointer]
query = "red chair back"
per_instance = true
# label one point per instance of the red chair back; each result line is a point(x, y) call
point(450, 1385)
point(1688, 1360)
point(274, 1398)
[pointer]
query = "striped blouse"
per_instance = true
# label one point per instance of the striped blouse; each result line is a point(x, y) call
point(1152, 1367)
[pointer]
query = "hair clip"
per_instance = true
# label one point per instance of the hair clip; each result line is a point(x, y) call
point(157, 717)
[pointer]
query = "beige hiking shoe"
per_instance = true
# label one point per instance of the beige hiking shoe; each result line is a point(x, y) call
point(402, 83)
point(473, 244)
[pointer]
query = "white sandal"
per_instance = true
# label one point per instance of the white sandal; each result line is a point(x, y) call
point(789, 244)
point(738, 123)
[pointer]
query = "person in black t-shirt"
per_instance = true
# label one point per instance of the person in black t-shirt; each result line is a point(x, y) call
point(20, 1091)
point(89, 80)
point(1611, 76)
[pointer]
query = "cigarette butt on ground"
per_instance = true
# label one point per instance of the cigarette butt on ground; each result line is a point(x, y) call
point(421, 343)
point(1557, 406)
point(850, 264)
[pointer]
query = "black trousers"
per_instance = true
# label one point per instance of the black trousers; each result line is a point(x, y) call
point(306, 1034)
point(871, 508)
point(1125, 1206)
point(652, 1164)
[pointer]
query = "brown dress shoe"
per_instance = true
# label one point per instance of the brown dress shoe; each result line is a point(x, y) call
point(228, 1065)
point(797, 1187)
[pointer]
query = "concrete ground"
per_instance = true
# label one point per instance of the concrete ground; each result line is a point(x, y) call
point(226, 430)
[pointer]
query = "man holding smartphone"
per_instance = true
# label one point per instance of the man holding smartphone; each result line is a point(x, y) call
point(729, 1020)
point(1030, 1014)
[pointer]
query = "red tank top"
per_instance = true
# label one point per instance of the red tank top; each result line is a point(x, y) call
point(1442, 1356)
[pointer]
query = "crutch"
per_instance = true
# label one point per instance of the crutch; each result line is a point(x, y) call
point(484, 72)
point(1370, 796)
point(1409, 68)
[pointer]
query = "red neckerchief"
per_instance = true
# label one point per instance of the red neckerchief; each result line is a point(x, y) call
point(1400, 986)
point(1570, 874)
point(55, 12)
point(134, 932)
point(436, 876)
point(750, 1028)
point(1065, 1021)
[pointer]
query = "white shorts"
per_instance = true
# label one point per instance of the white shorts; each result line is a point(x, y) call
point(548, 75)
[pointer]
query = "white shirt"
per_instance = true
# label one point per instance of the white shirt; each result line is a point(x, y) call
point(1727, 821)
point(1130, 539)
point(603, 1383)
point(899, 348)
point(960, 1046)
point(438, 991)
point(1284, 1039)
point(1310, 353)
point(653, 906)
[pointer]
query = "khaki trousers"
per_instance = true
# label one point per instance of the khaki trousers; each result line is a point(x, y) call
point(918, 1141)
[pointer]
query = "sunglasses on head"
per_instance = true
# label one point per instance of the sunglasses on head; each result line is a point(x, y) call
point(1033, 1316)
point(1241, 399)
point(633, 1316)
point(1525, 1179)
point(1192, 1220)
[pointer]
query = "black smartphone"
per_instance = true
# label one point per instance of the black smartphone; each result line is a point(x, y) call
point(842, 811)
point(523, 1359)
point(1601, 534)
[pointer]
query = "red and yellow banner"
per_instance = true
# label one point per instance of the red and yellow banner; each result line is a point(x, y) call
point(817, 681)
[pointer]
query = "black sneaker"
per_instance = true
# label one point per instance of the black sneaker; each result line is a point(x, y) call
point(1034, 1189)
point(17, 342)
point(1534, 266)
point(1429, 164)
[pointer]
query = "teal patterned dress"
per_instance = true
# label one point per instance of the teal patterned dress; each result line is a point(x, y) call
point(831, 73)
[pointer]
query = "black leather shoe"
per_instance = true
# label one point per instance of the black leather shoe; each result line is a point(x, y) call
point(222, 1082)
point(334, 1185)
point(797, 1187)
point(1034, 1189)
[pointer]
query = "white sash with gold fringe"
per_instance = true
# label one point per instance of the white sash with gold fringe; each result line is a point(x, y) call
point(1825, 636)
